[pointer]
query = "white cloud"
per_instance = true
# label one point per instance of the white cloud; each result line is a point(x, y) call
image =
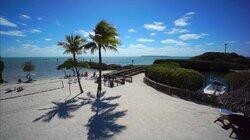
point(183, 21)
point(140, 49)
point(35, 31)
point(177, 30)
point(145, 40)
point(127, 36)
point(137, 46)
point(192, 36)
point(173, 42)
point(29, 46)
point(39, 18)
point(209, 44)
point(85, 33)
point(189, 13)
point(24, 24)
point(131, 30)
point(47, 39)
point(231, 42)
point(31, 50)
point(153, 34)
point(12, 33)
point(25, 16)
point(158, 26)
point(5, 22)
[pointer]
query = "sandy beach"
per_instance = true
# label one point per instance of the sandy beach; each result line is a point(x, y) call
point(130, 111)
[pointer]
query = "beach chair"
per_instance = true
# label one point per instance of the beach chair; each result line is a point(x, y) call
point(237, 122)
point(223, 115)
point(8, 90)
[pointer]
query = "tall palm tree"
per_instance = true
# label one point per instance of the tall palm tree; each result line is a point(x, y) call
point(105, 37)
point(74, 45)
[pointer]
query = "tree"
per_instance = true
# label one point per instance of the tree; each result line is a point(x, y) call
point(28, 67)
point(69, 64)
point(74, 45)
point(105, 37)
point(1, 70)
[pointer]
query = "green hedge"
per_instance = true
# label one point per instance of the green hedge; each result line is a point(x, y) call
point(237, 80)
point(171, 74)
point(114, 67)
point(205, 66)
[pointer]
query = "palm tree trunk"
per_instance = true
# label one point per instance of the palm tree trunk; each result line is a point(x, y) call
point(99, 88)
point(77, 74)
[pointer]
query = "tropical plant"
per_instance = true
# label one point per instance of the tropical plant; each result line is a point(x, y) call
point(74, 45)
point(1, 70)
point(173, 75)
point(236, 80)
point(69, 64)
point(105, 37)
point(28, 67)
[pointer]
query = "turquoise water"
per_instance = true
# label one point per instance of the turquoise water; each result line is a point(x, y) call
point(46, 67)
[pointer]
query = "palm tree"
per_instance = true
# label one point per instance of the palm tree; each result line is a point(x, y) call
point(74, 45)
point(105, 37)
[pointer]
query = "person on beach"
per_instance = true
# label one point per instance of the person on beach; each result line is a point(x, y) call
point(93, 75)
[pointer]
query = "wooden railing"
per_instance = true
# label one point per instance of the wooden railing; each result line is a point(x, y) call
point(186, 94)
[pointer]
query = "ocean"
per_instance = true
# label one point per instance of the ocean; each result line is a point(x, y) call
point(45, 67)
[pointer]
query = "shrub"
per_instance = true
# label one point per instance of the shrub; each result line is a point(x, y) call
point(115, 67)
point(129, 66)
point(95, 65)
point(237, 80)
point(171, 74)
point(28, 66)
point(205, 66)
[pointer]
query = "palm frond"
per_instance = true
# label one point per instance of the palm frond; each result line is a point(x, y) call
point(73, 44)
point(112, 48)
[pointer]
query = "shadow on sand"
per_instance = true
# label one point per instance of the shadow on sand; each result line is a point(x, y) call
point(62, 109)
point(103, 123)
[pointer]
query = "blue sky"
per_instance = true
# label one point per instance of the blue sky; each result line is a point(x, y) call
point(146, 27)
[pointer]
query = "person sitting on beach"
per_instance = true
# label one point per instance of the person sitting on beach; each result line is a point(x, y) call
point(18, 89)
point(93, 75)
point(19, 81)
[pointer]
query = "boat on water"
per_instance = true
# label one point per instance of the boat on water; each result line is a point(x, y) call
point(215, 88)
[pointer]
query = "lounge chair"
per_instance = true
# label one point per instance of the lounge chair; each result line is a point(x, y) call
point(8, 90)
point(236, 122)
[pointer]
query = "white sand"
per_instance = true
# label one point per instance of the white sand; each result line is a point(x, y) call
point(150, 115)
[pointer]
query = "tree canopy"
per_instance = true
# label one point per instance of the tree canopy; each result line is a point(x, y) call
point(69, 64)
point(28, 66)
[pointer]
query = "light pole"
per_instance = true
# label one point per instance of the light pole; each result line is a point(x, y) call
point(225, 47)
